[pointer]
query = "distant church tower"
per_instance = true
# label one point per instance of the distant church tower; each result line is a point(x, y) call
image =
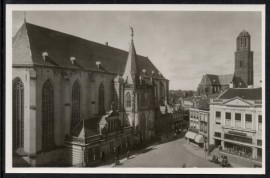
point(244, 58)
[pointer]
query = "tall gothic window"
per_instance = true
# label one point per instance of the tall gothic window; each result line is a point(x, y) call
point(143, 122)
point(18, 113)
point(76, 104)
point(101, 98)
point(47, 115)
point(128, 100)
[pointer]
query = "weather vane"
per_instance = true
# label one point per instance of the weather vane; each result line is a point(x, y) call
point(132, 34)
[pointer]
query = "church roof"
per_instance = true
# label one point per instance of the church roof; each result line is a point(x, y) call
point(31, 41)
point(214, 79)
point(244, 34)
point(244, 93)
point(225, 79)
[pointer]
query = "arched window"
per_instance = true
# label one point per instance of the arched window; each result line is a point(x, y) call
point(241, 42)
point(240, 63)
point(76, 104)
point(143, 122)
point(47, 115)
point(101, 98)
point(18, 113)
point(246, 42)
point(128, 100)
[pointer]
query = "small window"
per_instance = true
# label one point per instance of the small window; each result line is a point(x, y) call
point(248, 118)
point(218, 114)
point(259, 142)
point(217, 134)
point(228, 115)
point(260, 122)
point(238, 117)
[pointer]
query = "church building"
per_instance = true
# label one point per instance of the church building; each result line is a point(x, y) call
point(243, 73)
point(79, 100)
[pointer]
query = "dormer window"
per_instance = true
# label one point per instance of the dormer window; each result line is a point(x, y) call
point(72, 59)
point(45, 55)
point(144, 71)
point(98, 63)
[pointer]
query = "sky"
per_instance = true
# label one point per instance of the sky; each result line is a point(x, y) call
point(183, 45)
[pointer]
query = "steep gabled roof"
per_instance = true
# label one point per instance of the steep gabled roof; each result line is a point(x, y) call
point(225, 79)
point(31, 41)
point(244, 93)
point(85, 128)
point(214, 79)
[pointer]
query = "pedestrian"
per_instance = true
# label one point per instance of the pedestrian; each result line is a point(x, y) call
point(128, 154)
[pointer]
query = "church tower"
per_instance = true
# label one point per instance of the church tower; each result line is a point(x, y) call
point(244, 58)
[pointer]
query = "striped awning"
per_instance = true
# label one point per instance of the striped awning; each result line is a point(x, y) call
point(199, 139)
point(191, 135)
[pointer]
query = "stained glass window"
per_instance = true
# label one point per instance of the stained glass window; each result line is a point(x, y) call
point(101, 98)
point(47, 115)
point(18, 113)
point(76, 104)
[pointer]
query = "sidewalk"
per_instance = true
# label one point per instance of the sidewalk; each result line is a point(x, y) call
point(201, 153)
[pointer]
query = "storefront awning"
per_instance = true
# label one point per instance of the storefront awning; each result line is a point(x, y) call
point(199, 139)
point(191, 135)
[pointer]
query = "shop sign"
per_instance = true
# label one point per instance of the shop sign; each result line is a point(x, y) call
point(237, 133)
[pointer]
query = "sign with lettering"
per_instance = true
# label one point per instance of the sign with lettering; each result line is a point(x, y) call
point(237, 133)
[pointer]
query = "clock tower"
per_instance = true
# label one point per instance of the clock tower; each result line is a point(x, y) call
point(244, 58)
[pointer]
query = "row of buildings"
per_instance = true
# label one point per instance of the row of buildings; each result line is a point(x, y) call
point(78, 100)
point(227, 112)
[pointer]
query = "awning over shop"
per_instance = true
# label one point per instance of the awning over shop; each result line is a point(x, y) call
point(199, 139)
point(191, 135)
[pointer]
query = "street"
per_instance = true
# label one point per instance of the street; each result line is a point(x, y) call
point(168, 154)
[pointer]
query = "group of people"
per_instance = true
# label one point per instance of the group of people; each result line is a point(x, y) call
point(224, 162)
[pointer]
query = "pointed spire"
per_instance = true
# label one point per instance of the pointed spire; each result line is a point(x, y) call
point(132, 66)
point(132, 34)
point(24, 14)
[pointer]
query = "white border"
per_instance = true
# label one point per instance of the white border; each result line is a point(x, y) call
point(10, 8)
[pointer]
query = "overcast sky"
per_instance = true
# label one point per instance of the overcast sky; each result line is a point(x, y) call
point(182, 45)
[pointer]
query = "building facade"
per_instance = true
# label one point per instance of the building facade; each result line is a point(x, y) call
point(236, 125)
point(60, 80)
point(198, 132)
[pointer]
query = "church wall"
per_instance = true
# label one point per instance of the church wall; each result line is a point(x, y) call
point(62, 93)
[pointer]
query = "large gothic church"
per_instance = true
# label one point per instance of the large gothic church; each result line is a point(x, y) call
point(243, 72)
point(78, 100)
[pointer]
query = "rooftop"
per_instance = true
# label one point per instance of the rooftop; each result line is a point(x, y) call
point(244, 93)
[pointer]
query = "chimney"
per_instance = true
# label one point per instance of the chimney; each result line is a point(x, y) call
point(106, 43)
point(231, 85)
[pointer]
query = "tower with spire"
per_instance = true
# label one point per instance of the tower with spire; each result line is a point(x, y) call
point(244, 58)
